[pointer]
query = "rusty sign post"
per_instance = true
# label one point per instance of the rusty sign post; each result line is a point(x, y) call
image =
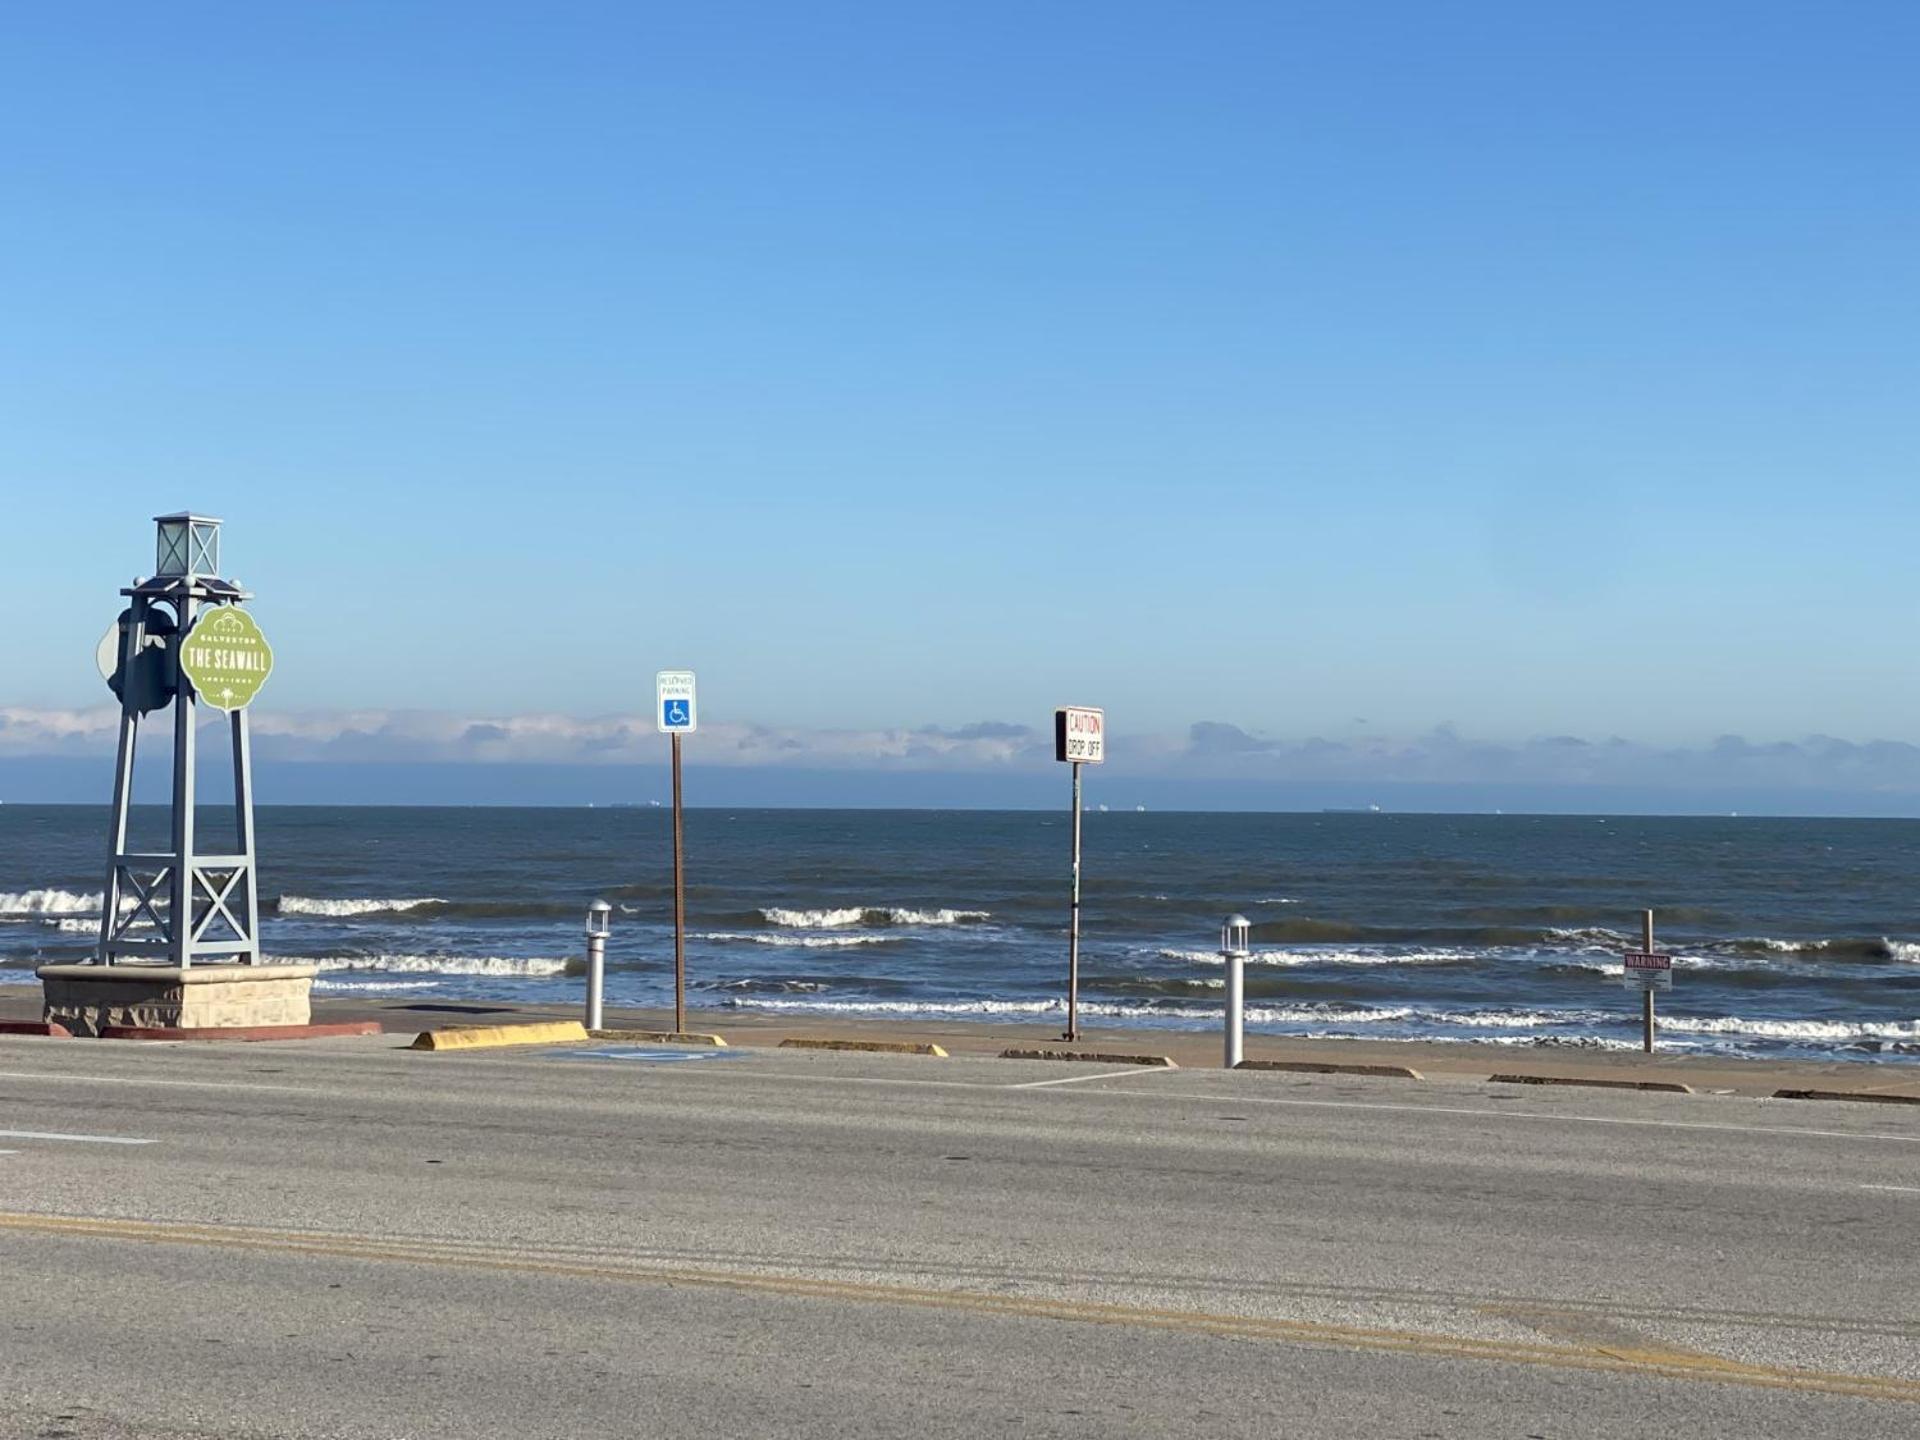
point(1079, 738)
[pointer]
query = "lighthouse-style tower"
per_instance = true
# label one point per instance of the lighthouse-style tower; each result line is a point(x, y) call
point(192, 901)
point(180, 926)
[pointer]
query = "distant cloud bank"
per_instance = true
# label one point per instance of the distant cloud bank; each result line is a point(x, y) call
point(1207, 750)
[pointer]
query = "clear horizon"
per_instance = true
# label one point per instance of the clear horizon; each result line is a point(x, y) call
point(1514, 400)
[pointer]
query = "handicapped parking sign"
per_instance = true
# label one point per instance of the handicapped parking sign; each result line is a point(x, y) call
point(676, 714)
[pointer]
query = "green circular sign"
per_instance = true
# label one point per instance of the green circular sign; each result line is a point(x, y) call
point(226, 657)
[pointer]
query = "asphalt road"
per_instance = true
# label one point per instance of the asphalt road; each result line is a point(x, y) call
point(345, 1238)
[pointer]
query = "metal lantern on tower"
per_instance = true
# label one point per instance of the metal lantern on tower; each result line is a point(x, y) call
point(187, 545)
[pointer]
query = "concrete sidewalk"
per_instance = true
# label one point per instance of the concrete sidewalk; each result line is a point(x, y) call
point(1187, 1048)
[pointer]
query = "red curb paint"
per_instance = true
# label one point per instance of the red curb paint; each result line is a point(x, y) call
point(35, 1027)
point(241, 1032)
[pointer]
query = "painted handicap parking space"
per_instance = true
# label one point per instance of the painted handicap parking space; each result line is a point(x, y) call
point(647, 1054)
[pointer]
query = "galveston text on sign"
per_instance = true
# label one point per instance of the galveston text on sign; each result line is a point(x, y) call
point(226, 657)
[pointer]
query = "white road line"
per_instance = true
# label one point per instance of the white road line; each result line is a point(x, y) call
point(1903, 1189)
point(1215, 1098)
point(78, 1139)
point(1205, 1097)
point(1078, 1079)
point(53, 1077)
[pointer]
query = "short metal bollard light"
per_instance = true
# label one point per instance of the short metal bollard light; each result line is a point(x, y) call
point(1236, 941)
point(599, 926)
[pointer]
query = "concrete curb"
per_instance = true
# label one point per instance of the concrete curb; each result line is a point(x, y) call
point(1673, 1087)
point(1161, 1062)
point(1864, 1096)
point(883, 1047)
point(35, 1027)
point(659, 1037)
point(486, 1037)
point(1317, 1067)
point(240, 1032)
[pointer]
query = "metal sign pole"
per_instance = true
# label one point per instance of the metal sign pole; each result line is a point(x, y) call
point(1073, 921)
point(679, 906)
point(1079, 736)
point(1646, 996)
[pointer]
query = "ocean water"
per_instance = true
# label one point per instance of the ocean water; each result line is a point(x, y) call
point(1794, 937)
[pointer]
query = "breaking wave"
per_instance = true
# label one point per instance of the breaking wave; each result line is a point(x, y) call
point(1827, 1031)
point(47, 902)
point(1300, 959)
point(500, 965)
point(1847, 948)
point(307, 905)
point(1317, 1014)
point(1523, 1026)
point(804, 942)
point(869, 915)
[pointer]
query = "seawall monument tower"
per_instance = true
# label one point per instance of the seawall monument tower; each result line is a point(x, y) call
point(179, 941)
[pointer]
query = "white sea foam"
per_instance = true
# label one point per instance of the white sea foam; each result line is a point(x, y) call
point(66, 926)
point(804, 942)
point(930, 1007)
point(47, 902)
point(1590, 937)
point(937, 917)
point(1309, 1014)
point(497, 965)
point(1562, 1042)
point(814, 919)
point(307, 905)
point(1785, 947)
point(1299, 958)
point(1190, 957)
point(1320, 1015)
point(841, 918)
point(1828, 1030)
point(371, 987)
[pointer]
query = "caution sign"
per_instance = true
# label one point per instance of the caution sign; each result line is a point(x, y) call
point(226, 658)
point(1080, 735)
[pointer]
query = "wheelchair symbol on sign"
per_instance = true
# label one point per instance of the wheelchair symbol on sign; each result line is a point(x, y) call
point(677, 714)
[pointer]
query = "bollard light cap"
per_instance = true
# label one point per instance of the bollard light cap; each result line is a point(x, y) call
point(1236, 935)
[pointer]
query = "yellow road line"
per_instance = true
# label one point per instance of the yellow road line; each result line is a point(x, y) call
point(1602, 1356)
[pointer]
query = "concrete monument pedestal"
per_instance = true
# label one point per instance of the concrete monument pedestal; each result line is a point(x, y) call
point(88, 998)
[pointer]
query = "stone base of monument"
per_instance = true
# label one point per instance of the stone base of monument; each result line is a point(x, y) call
point(89, 999)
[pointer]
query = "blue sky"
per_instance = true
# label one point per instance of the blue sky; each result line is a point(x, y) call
point(1334, 371)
